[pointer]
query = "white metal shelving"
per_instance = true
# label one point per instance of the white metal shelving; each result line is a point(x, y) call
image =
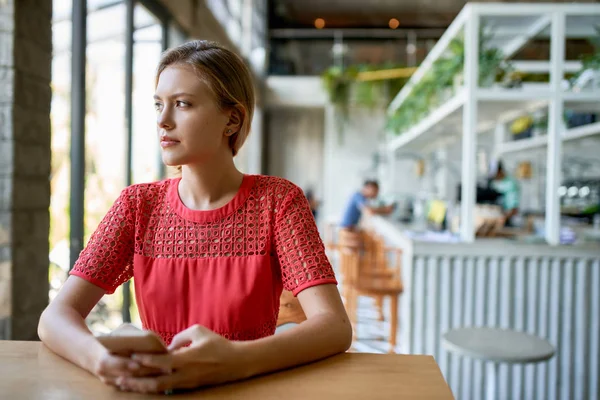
point(542, 141)
point(473, 109)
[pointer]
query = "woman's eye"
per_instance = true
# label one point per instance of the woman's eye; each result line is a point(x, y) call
point(157, 106)
point(180, 103)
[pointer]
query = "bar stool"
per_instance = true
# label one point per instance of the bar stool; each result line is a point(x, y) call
point(496, 346)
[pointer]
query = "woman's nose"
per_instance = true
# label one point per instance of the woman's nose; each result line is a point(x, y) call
point(164, 119)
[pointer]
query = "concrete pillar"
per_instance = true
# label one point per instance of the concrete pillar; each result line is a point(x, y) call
point(25, 94)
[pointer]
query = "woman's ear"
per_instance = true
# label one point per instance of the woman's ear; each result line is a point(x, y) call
point(236, 120)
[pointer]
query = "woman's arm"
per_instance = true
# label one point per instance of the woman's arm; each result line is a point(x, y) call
point(327, 331)
point(63, 330)
point(381, 210)
point(102, 266)
point(62, 325)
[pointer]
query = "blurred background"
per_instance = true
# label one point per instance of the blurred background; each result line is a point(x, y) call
point(347, 91)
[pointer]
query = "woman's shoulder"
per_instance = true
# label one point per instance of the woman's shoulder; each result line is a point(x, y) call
point(276, 186)
point(147, 192)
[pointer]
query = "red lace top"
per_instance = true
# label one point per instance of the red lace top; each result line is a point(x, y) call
point(223, 268)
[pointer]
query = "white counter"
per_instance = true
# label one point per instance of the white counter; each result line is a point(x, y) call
point(550, 291)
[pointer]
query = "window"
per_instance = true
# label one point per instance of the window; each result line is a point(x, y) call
point(106, 136)
point(146, 55)
point(106, 132)
point(60, 119)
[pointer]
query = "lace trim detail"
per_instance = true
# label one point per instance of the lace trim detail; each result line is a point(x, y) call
point(245, 232)
point(264, 330)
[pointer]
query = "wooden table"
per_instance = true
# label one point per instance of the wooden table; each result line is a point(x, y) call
point(28, 371)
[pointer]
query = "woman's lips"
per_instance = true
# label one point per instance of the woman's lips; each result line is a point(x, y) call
point(168, 143)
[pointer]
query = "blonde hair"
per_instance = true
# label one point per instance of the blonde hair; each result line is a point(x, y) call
point(225, 73)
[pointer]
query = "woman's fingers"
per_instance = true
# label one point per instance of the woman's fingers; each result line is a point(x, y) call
point(110, 365)
point(182, 339)
point(163, 362)
point(147, 371)
point(158, 384)
point(191, 334)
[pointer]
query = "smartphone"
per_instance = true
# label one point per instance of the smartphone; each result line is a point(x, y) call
point(127, 339)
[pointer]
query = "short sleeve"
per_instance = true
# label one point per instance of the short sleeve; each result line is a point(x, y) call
point(107, 260)
point(359, 201)
point(299, 247)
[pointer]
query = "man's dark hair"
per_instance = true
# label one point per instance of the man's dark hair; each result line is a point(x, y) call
point(371, 182)
point(500, 167)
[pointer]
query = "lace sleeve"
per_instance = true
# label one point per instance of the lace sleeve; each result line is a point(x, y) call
point(298, 245)
point(107, 260)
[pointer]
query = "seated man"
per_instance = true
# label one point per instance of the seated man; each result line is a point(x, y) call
point(358, 204)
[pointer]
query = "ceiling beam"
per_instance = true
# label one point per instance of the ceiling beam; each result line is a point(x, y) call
point(352, 33)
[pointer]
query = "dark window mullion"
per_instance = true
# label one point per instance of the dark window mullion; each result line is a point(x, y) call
point(78, 107)
point(129, 29)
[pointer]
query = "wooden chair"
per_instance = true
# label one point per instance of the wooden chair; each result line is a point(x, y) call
point(290, 310)
point(358, 282)
point(329, 239)
point(373, 260)
point(375, 263)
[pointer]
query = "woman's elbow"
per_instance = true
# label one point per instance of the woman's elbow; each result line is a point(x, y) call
point(41, 328)
point(345, 335)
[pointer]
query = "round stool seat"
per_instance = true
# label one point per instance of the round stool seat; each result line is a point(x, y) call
point(497, 345)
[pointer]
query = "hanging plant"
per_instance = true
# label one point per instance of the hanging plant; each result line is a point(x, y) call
point(346, 88)
point(337, 84)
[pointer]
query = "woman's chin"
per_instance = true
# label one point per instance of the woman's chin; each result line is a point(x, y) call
point(171, 161)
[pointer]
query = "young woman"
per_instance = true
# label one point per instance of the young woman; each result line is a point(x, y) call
point(210, 251)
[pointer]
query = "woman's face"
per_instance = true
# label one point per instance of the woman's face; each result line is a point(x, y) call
point(191, 128)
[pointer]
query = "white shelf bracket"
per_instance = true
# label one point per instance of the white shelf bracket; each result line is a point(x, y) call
point(555, 113)
point(469, 142)
point(517, 43)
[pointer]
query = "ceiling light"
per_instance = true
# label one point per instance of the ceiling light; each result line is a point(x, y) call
point(394, 23)
point(573, 191)
point(319, 23)
point(562, 191)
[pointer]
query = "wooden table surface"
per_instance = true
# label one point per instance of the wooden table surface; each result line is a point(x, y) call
point(28, 370)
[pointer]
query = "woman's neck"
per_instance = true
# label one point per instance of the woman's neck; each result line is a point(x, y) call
point(209, 186)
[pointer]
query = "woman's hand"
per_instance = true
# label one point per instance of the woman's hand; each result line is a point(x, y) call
point(210, 359)
point(109, 368)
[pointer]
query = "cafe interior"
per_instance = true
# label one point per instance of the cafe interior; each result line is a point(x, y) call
point(478, 121)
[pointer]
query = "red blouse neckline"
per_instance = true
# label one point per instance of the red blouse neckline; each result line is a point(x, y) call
point(209, 215)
